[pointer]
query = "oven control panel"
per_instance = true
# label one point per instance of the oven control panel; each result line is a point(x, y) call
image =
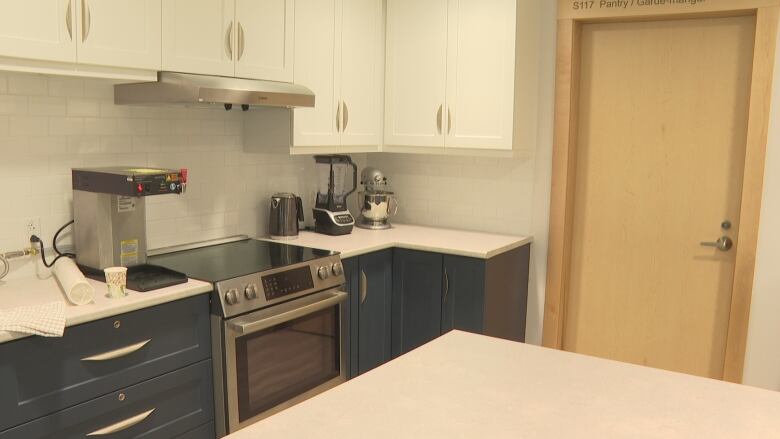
point(255, 291)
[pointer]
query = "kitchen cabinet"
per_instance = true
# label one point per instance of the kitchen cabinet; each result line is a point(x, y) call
point(119, 33)
point(451, 73)
point(370, 305)
point(463, 300)
point(39, 29)
point(198, 36)
point(243, 38)
point(339, 54)
point(416, 300)
point(264, 39)
point(100, 357)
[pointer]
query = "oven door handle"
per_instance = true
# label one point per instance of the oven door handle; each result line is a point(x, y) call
point(332, 298)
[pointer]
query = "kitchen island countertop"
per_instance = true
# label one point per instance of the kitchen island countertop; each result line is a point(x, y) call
point(463, 385)
point(433, 239)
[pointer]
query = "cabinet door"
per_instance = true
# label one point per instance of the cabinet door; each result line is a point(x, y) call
point(265, 39)
point(315, 67)
point(374, 315)
point(198, 36)
point(480, 74)
point(39, 29)
point(416, 72)
point(120, 33)
point(362, 72)
point(417, 287)
point(463, 296)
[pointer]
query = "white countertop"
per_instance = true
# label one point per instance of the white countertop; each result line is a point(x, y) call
point(31, 291)
point(470, 386)
point(432, 239)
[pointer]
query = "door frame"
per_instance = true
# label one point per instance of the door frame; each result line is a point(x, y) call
point(567, 76)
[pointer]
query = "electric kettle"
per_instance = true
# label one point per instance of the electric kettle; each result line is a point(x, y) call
point(286, 213)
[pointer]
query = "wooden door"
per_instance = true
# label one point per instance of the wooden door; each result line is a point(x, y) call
point(264, 48)
point(481, 74)
point(362, 71)
point(120, 33)
point(199, 36)
point(39, 29)
point(661, 140)
point(316, 67)
point(374, 305)
point(416, 72)
point(417, 294)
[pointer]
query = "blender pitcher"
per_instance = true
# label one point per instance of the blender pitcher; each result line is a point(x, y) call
point(337, 179)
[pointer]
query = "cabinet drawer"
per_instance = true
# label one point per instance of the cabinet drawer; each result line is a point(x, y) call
point(162, 407)
point(205, 431)
point(41, 375)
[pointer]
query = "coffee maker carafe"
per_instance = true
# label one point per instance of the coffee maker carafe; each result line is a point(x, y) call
point(337, 178)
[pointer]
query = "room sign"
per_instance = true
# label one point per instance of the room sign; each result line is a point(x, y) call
point(595, 9)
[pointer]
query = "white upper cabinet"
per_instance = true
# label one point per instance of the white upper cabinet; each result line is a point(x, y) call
point(198, 36)
point(480, 74)
point(416, 72)
point(339, 55)
point(119, 33)
point(243, 38)
point(264, 32)
point(38, 29)
point(362, 72)
point(451, 73)
point(315, 68)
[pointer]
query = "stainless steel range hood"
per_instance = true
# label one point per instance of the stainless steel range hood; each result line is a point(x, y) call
point(188, 89)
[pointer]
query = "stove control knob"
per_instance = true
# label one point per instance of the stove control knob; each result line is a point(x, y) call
point(338, 269)
point(323, 272)
point(250, 292)
point(231, 297)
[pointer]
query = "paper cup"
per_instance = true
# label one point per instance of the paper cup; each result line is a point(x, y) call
point(116, 280)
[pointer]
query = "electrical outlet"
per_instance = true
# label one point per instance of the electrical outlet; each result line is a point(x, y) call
point(33, 227)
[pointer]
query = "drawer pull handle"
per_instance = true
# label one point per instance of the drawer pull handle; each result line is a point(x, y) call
point(121, 425)
point(116, 353)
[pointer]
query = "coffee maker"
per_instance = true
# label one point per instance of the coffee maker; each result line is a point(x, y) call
point(109, 214)
point(337, 178)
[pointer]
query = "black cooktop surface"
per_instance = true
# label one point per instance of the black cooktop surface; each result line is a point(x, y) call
point(226, 261)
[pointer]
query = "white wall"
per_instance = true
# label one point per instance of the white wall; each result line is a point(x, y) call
point(50, 124)
point(762, 361)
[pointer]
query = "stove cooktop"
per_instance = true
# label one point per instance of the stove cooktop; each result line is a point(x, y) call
point(221, 262)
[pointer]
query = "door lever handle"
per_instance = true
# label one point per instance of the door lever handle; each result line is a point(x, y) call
point(724, 244)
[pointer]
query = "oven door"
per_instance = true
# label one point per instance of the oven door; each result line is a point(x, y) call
point(282, 355)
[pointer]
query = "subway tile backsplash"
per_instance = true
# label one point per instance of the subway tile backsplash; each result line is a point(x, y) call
point(49, 125)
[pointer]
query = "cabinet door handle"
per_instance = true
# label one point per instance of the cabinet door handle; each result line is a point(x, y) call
point(438, 119)
point(446, 285)
point(122, 425)
point(240, 41)
point(69, 19)
point(229, 41)
point(346, 116)
point(338, 117)
point(86, 20)
point(449, 120)
point(117, 353)
point(363, 287)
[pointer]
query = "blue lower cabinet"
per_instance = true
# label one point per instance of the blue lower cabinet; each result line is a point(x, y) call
point(416, 299)
point(351, 273)
point(205, 431)
point(369, 279)
point(463, 296)
point(164, 407)
point(39, 375)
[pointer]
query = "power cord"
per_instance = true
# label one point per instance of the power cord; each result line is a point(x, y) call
point(36, 240)
point(56, 236)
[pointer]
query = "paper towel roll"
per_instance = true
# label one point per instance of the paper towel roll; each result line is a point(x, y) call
point(73, 283)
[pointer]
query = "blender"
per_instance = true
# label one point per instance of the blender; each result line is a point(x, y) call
point(377, 203)
point(334, 174)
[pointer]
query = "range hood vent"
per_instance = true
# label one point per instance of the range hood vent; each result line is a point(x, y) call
point(188, 89)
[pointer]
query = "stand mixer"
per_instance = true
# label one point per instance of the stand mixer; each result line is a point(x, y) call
point(377, 203)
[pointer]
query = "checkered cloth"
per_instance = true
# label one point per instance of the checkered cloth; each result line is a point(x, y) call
point(47, 320)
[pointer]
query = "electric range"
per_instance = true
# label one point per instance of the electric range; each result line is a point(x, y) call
point(279, 324)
